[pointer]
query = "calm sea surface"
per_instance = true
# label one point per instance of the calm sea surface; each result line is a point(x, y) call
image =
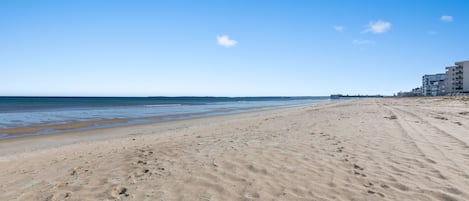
point(19, 112)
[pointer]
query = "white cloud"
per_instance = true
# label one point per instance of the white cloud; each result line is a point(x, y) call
point(446, 18)
point(432, 33)
point(378, 27)
point(362, 42)
point(338, 28)
point(225, 41)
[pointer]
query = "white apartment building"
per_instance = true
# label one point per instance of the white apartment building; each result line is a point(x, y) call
point(457, 78)
point(434, 85)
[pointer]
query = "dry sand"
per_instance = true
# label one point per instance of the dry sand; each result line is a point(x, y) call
point(374, 149)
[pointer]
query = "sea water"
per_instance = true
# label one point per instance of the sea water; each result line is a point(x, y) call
point(18, 112)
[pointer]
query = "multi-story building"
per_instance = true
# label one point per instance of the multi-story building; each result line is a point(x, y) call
point(434, 85)
point(417, 91)
point(457, 78)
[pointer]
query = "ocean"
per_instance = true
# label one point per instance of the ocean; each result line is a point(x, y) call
point(26, 116)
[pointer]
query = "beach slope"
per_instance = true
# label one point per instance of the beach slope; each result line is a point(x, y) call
point(371, 149)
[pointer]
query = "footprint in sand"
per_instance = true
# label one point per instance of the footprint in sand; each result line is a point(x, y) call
point(441, 118)
point(374, 192)
point(119, 191)
point(464, 113)
point(369, 184)
point(392, 117)
point(384, 186)
point(355, 166)
point(359, 173)
point(357, 170)
point(340, 149)
point(60, 196)
point(79, 170)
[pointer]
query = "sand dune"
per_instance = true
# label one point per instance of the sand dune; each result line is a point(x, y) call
point(375, 149)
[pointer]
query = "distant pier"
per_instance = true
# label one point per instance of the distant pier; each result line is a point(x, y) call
point(339, 96)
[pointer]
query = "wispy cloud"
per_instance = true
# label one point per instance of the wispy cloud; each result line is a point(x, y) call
point(432, 33)
point(362, 42)
point(338, 28)
point(446, 18)
point(378, 27)
point(225, 41)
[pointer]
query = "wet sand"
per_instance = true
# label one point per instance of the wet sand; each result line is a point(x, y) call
point(370, 149)
point(46, 129)
point(58, 127)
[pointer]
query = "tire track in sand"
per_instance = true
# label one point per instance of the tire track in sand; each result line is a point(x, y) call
point(440, 133)
point(424, 144)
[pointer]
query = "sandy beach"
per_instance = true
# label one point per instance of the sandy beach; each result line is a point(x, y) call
point(369, 149)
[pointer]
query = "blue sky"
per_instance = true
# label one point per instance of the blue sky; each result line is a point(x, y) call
point(226, 48)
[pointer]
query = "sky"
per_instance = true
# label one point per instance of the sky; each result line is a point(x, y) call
point(226, 48)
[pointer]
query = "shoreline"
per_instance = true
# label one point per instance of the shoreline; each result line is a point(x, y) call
point(37, 142)
point(76, 126)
